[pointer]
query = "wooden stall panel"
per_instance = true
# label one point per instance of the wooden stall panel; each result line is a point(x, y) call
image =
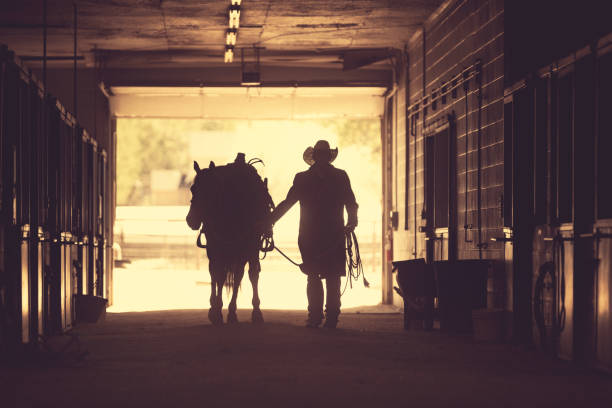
point(52, 196)
point(603, 226)
point(39, 268)
point(604, 137)
point(565, 270)
point(84, 264)
point(100, 215)
point(90, 216)
point(25, 283)
point(603, 288)
point(67, 284)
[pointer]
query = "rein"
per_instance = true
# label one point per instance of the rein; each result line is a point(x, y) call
point(199, 240)
point(353, 258)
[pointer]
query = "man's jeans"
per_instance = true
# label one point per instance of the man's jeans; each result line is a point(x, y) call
point(314, 291)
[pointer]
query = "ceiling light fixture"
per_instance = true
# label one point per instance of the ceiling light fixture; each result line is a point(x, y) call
point(229, 54)
point(234, 16)
point(250, 71)
point(230, 36)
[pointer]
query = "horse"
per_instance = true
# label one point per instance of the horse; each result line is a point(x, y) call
point(230, 203)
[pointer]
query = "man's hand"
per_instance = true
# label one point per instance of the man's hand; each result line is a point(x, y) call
point(350, 227)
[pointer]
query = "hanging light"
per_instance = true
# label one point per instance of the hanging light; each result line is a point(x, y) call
point(230, 36)
point(250, 71)
point(229, 54)
point(234, 16)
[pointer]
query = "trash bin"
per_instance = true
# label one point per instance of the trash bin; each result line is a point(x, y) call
point(90, 308)
point(417, 288)
point(461, 287)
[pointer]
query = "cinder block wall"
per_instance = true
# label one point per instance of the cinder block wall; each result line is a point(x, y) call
point(453, 38)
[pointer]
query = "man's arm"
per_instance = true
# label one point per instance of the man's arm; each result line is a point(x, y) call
point(351, 204)
point(286, 204)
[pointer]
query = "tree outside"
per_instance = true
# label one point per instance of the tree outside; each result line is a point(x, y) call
point(146, 145)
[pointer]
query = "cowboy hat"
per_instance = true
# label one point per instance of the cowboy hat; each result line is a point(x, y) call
point(320, 145)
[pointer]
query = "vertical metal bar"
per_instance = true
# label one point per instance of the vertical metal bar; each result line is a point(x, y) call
point(408, 125)
point(74, 84)
point(466, 87)
point(45, 48)
point(396, 138)
point(415, 184)
point(549, 135)
point(424, 70)
point(479, 195)
point(43, 111)
point(39, 283)
point(94, 89)
point(2, 91)
point(424, 91)
point(596, 129)
point(25, 284)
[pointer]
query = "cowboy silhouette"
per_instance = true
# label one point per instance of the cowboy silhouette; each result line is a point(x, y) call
point(323, 192)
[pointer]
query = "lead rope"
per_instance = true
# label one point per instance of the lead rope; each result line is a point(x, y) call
point(354, 265)
point(353, 262)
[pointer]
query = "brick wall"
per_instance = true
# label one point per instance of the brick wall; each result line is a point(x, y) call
point(458, 34)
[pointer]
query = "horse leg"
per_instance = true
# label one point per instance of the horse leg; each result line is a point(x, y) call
point(215, 314)
point(238, 271)
point(212, 311)
point(254, 269)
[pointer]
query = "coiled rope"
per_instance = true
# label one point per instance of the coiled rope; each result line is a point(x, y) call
point(354, 265)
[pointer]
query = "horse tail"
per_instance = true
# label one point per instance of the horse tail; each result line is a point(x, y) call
point(229, 281)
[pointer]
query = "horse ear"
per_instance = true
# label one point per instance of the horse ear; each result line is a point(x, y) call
point(211, 165)
point(196, 166)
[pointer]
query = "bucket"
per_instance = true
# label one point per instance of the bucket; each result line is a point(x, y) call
point(488, 324)
point(90, 309)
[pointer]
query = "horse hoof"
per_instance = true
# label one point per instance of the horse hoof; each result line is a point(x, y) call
point(232, 318)
point(215, 317)
point(257, 317)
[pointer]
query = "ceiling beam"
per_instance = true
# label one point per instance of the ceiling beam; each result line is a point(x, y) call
point(231, 76)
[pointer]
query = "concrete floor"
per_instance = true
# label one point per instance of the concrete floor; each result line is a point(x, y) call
point(176, 359)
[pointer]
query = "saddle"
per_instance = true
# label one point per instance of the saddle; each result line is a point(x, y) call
point(239, 199)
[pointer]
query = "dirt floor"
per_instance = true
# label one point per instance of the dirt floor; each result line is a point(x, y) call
point(177, 359)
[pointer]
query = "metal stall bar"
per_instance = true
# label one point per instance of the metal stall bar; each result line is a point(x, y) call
point(84, 214)
point(3, 183)
point(54, 267)
point(91, 216)
point(15, 214)
point(93, 221)
point(66, 136)
point(37, 207)
point(101, 215)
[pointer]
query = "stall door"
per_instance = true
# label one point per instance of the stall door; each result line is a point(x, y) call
point(518, 198)
point(440, 194)
point(603, 226)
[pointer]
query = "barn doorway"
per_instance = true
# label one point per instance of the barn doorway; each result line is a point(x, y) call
point(158, 266)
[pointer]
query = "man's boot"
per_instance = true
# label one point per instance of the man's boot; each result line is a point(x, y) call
point(314, 290)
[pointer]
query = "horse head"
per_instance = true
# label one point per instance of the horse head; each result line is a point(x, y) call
point(199, 193)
